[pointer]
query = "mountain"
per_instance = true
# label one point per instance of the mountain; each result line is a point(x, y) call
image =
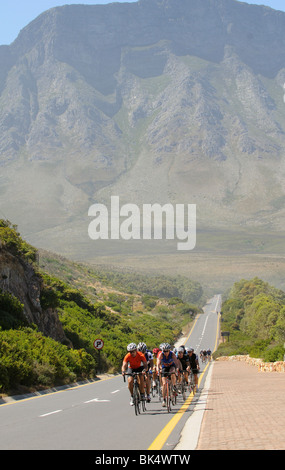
point(168, 101)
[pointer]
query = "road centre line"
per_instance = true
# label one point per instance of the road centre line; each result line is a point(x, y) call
point(160, 440)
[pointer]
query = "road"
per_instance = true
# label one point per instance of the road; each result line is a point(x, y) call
point(97, 415)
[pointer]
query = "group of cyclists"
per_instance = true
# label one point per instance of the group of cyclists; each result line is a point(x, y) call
point(205, 355)
point(158, 364)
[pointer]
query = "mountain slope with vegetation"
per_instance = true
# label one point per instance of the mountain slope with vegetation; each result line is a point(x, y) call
point(29, 355)
point(254, 315)
point(169, 101)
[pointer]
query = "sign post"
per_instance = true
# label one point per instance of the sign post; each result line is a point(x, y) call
point(225, 333)
point(98, 344)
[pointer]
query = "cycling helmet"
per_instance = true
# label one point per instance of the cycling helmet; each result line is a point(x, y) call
point(131, 347)
point(155, 350)
point(142, 347)
point(166, 347)
point(179, 350)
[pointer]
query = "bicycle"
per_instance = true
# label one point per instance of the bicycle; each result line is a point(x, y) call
point(204, 358)
point(138, 403)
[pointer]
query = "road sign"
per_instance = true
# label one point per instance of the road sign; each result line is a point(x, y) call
point(98, 344)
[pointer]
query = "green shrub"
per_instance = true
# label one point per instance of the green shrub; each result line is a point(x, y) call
point(273, 354)
point(11, 312)
point(28, 358)
point(12, 240)
point(254, 314)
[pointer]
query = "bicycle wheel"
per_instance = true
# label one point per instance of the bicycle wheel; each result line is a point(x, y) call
point(183, 389)
point(191, 383)
point(143, 403)
point(158, 387)
point(168, 398)
point(136, 397)
point(153, 389)
point(173, 395)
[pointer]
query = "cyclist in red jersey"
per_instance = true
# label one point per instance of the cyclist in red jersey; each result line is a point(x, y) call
point(134, 361)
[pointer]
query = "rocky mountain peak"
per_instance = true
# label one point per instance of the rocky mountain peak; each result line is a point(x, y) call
point(163, 100)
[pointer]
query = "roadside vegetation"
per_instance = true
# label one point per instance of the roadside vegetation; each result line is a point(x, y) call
point(89, 305)
point(119, 308)
point(254, 315)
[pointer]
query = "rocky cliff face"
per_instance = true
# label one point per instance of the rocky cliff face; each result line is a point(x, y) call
point(154, 101)
point(20, 279)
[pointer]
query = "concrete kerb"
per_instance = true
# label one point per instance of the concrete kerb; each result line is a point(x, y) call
point(191, 431)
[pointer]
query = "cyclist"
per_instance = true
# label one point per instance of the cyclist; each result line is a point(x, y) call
point(183, 358)
point(149, 359)
point(194, 364)
point(204, 355)
point(209, 354)
point(167, 362)
point(134, 361)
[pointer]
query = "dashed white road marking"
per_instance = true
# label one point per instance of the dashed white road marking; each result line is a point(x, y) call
point(96, 400)
point(50, 413)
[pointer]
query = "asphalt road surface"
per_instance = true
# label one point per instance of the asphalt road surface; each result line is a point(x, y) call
point(97, 415)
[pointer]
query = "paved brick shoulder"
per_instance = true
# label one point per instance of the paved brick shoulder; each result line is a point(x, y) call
point(245, 409)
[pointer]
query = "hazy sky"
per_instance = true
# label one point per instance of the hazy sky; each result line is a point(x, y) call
point(16, 14)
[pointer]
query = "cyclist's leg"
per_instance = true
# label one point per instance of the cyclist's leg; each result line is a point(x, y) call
point(173, 377)
point(179, 378)
point(159, 385)
point(130, 382)
point(164, 383)
point(140, 380)
point(148, 385)
point(195, 373)
point(154, 376)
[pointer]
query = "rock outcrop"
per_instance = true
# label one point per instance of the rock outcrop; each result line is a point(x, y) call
point(277, 366)
point(19, 277)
